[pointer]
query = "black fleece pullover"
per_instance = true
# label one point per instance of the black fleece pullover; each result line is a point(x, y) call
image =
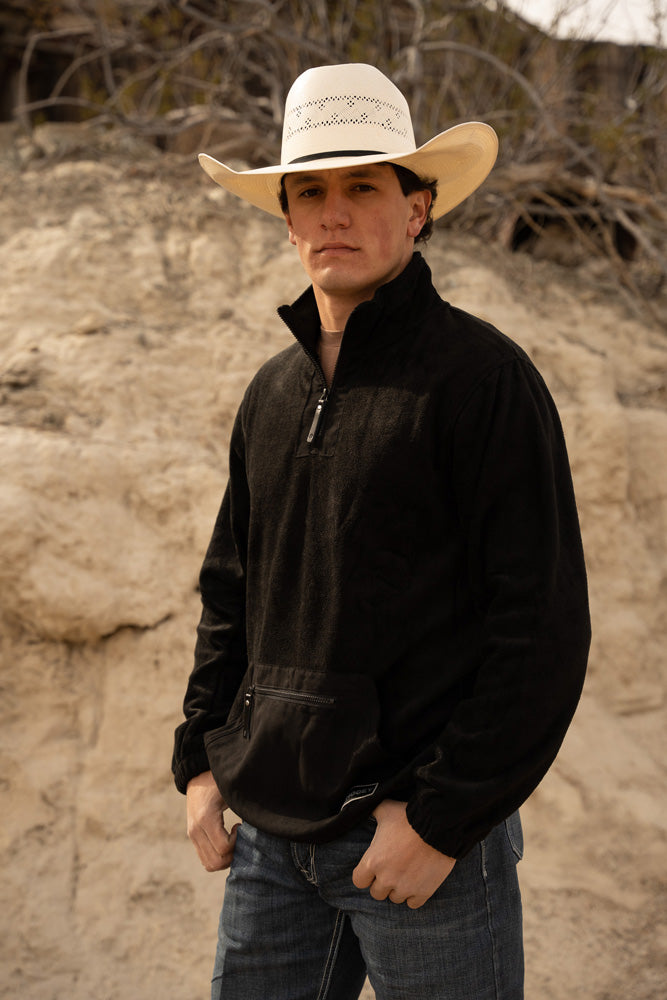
point(394, 596)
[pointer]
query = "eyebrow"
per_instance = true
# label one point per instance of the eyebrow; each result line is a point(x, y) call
point(354, 172)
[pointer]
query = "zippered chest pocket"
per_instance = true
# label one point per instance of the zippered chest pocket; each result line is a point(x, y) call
point(296, 742)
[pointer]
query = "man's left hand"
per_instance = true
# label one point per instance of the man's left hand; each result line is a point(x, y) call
point(398, 864)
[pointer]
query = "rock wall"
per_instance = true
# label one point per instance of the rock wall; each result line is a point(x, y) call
point(136, 301)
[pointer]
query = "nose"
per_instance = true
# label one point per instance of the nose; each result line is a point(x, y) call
point(335, 211)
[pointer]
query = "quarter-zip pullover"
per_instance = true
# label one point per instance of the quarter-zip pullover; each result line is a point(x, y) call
point(394, 596)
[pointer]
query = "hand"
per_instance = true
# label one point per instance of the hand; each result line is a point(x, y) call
point(398, 864)
point(206, 827)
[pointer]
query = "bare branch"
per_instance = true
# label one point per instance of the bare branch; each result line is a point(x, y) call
point(570, 151)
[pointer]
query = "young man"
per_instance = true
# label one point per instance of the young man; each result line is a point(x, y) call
point(395, 625)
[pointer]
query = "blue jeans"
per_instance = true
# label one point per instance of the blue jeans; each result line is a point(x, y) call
point(294, 927)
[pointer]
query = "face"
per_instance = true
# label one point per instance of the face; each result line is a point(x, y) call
point(354, 228)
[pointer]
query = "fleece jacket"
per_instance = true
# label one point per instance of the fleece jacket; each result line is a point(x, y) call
point(394, 598)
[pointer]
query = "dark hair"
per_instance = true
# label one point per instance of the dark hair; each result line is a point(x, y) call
point(409, 182)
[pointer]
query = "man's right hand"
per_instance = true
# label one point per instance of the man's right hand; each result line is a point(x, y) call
point(206, 827)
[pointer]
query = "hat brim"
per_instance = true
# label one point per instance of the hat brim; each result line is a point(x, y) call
point(459, 159)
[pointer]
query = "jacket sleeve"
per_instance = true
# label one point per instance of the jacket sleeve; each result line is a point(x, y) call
point(526, 580)
point(220, 651)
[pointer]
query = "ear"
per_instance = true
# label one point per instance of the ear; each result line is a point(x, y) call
point(290, 228)
point(420, 202)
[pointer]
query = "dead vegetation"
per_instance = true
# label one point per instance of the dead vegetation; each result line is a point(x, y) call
point(583, 126)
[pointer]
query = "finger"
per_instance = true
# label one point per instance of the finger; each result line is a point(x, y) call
point(215, 847)
point(362, 876)
point(414, 902)
point(232, 840)
point(211, 860)
point(397, 897)
point(217, 835)
point(379, 891)
point(223, 845)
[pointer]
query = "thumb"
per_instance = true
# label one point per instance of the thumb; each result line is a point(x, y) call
point(363, 875)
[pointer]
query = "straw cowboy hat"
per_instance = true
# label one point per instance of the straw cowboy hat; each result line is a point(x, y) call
point(351, 114)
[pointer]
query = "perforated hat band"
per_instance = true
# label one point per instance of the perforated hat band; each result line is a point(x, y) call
point(322, 108)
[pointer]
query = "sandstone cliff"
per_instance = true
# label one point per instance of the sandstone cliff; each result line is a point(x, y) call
point(136, 301)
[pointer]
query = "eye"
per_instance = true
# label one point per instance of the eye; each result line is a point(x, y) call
point(308, 193)
point(363, 187)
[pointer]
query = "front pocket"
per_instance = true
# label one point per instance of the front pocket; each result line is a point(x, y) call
point(514, 833)
point(314, 701)
point(297, 742)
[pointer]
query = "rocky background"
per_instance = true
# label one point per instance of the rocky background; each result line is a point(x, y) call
point(136, 301)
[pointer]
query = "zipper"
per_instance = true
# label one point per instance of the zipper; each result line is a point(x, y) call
point(296, 697)
point(248, 702)
point(302, 697)
point(317, 419)
point(316, 424)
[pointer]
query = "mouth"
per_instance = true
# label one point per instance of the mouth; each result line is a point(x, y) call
point(336, 249)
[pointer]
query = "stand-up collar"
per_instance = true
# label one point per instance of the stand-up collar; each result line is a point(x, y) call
point(394, 307)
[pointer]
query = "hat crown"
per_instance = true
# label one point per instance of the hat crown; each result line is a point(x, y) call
point(353, 108)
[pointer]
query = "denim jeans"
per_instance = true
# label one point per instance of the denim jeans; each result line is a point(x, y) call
point(294, 927)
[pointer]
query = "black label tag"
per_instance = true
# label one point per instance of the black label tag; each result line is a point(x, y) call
point(360, 792)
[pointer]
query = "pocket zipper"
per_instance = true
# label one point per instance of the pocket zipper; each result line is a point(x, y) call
point(248, 700)
point(281, 694)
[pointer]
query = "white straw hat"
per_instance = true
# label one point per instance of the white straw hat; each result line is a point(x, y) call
point(350, 114)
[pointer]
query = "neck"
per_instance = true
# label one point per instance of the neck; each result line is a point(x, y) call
point(334, 313)
point(336, 309)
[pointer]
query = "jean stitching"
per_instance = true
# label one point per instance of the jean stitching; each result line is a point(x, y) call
point(331, 956)
point(308, 871)
point(489, 920)
point(297, 861)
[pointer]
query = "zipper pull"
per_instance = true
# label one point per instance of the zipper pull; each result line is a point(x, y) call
point(317, 419)
point(248, 700)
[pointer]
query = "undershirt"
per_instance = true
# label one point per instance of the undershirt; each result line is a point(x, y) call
point(328, 348)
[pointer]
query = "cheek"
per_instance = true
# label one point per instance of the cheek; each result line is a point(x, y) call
point(301, 234)
point(390, 237)
point(298, 240)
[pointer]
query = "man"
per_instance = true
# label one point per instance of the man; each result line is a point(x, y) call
point(395, 625)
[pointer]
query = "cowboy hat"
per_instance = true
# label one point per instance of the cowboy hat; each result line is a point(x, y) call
point(351, 114)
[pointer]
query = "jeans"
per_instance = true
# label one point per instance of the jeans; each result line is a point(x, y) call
point(294, 927)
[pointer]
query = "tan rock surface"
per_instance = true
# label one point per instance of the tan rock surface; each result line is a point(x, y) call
point(136, 301)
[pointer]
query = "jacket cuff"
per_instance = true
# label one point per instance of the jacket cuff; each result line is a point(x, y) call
point(189, 768)
point(424, 817)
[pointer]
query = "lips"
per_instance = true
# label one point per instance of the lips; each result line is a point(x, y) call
point(336, 247)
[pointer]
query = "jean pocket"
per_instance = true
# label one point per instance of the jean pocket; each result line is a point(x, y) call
point(514, 832)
